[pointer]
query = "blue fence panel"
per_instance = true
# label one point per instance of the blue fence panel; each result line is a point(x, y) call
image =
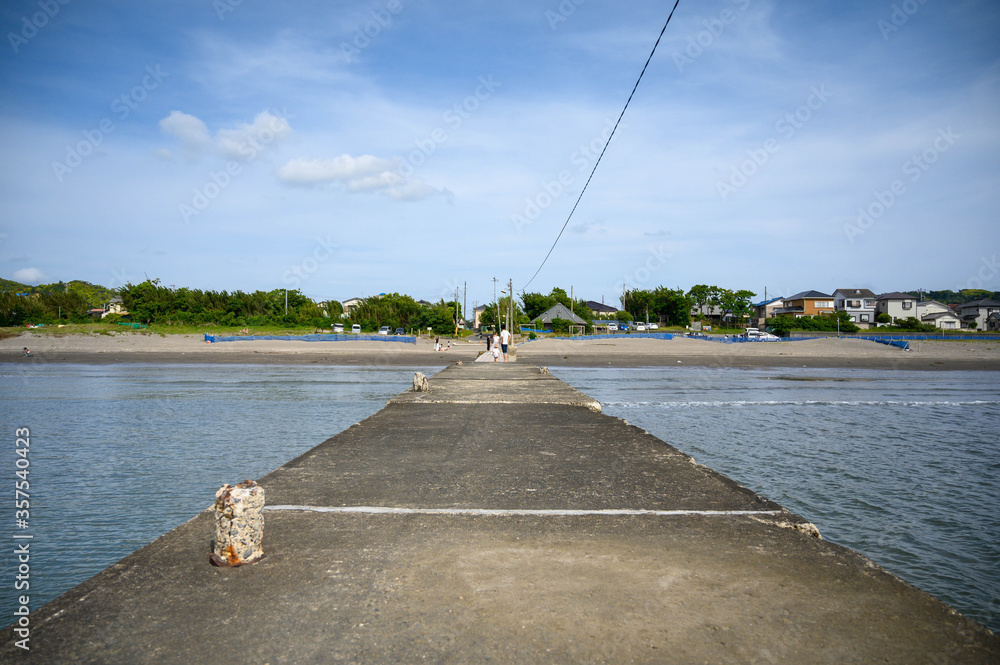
point(405, 339)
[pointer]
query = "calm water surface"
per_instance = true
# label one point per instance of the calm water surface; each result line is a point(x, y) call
point(902, 466)
point(121, 454)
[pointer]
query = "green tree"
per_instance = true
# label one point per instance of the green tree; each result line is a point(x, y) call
point(535, 303)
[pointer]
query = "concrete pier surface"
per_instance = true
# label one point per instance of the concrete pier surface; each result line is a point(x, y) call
point(501, 518)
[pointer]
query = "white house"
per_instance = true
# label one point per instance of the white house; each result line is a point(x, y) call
point(938, 314)
point(349, 305)
point(978, 311)
point(114, 306)
point(897, 305)
point(859, 305)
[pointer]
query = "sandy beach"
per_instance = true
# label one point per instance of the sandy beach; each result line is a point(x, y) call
point(132, 347)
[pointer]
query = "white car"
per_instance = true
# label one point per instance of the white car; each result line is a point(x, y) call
point(338, 327)
point(384, 330)
point(356, 328)
point(640, 327)
point(760, 336)
point(612, 327)
point(653, 326)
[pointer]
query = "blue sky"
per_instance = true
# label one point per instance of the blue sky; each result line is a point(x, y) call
point(349, 149)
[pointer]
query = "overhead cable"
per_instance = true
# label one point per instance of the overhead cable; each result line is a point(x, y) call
point(608, 142)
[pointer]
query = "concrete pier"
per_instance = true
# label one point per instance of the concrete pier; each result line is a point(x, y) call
point(500, 517)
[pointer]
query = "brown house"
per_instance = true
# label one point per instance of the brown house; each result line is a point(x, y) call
point(807, 303)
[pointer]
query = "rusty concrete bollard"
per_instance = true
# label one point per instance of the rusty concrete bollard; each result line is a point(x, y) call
point(239, 524)
point(420, 383)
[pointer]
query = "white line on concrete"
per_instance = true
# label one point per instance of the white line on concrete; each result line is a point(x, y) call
point(388, 510)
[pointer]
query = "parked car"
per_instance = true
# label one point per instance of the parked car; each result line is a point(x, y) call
point(653, 326)
point(624, 327)
point(612, 327)
point(338, 327)
point(760, 335)
point(356, 328)
point(384, 330)
point(400, 331)
point(640, 327)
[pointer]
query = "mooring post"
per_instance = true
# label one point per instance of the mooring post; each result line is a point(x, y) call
point(239, 524)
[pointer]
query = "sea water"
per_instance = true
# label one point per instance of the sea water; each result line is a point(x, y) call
point(902, 466)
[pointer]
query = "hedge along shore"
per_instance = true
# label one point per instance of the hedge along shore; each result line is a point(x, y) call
point(132, 347)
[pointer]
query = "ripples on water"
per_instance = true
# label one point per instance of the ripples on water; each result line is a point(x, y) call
point(902, 466)
point(121, 454)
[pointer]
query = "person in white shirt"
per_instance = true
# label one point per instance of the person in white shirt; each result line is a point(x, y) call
point(504, 341)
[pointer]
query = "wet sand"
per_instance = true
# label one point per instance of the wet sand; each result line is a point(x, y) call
point(132, 347)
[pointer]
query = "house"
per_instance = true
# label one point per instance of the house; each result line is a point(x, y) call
point(978, 311)
point(477, 313)
point(993, 321)
point(557, 311)
point(765, 309)
point(896, 305)
point(938, 315)
point(946, 320)
point(599, 309)
point(114, 306)
point(806, 303)
point(707, 311)
point(349, 306)
point(859, 305)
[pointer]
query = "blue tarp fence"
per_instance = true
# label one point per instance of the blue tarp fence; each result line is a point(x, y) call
point(407, 339)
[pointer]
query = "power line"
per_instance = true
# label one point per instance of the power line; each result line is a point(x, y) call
point(620, 116)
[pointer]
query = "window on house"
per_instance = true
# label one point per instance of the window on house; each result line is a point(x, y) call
point(864, 318)
point(869, 303)
point(907, 304)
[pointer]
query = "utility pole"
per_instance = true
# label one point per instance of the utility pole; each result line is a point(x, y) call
point(510, 307)
point(286, 302)
point(496, 307)
point(764, 326)
point(465, 303)
point(456, 311)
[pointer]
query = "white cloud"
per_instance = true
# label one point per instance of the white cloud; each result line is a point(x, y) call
point(240, 142)
point(245, 141)
point(414, 190)
point(191, 131)
point(365, 173)
point(307, 171)
point(29, 276)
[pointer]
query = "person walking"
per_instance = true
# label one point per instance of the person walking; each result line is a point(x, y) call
point(504, 341)
point(495, 347)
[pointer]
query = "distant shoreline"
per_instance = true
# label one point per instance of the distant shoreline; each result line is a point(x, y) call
point(93, 349)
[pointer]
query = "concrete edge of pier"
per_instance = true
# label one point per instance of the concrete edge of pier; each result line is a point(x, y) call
point(503, 531)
